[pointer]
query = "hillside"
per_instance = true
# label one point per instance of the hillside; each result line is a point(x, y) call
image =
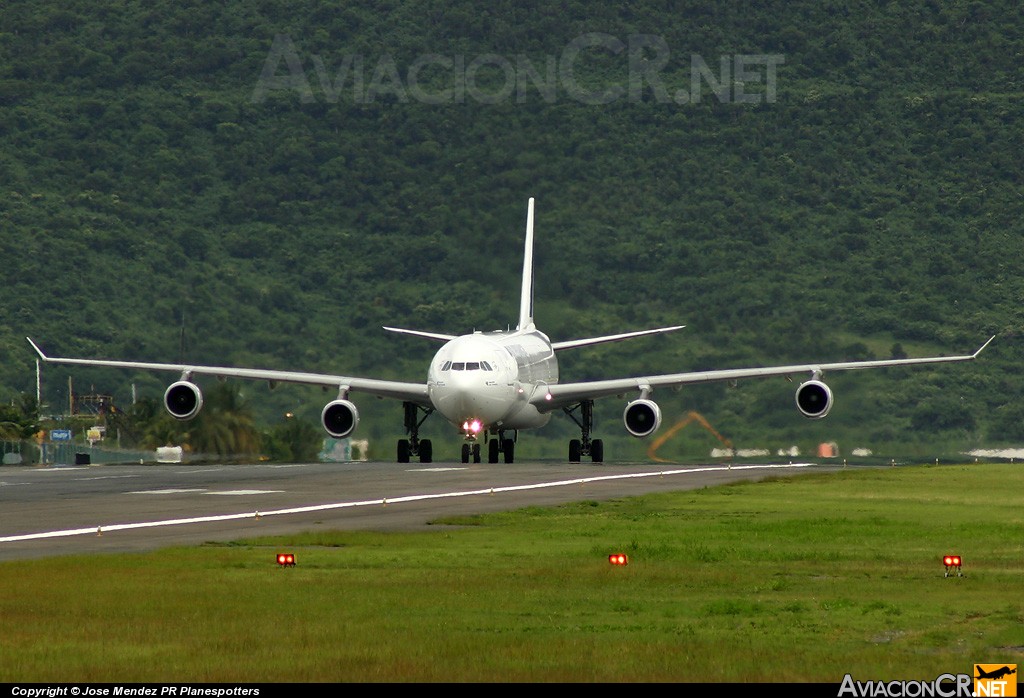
point(282, 181)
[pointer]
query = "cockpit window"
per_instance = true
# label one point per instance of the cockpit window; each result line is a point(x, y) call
point(466, 366)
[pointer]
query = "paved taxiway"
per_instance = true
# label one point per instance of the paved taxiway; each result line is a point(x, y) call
point(65, 510)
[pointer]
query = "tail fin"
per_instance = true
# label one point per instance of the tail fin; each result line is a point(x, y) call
point(526, 299)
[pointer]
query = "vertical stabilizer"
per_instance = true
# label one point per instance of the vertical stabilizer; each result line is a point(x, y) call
point(526, 299)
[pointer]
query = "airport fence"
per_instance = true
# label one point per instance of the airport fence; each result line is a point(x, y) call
point(28, 452)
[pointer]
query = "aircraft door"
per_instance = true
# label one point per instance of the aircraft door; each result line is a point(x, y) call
point(504, 362)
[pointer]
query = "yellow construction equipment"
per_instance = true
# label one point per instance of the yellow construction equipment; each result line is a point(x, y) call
point(690, 417)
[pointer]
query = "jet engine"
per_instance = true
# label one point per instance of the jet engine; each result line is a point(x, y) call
point(340, 418)
point(813, 399)
point(642, 417)
point(183, 400)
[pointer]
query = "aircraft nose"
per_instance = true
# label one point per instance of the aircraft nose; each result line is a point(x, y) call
point(466, 392)
point(471, 395)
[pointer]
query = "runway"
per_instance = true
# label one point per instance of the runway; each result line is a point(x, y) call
point(46, 511)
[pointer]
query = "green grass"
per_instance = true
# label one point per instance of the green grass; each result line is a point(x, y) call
point(797, 579)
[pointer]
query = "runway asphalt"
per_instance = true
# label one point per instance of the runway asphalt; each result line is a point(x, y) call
point(66, 510)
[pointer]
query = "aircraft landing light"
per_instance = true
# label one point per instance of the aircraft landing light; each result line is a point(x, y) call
point(618, 559)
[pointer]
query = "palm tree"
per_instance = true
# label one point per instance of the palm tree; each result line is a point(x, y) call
point(224, 427)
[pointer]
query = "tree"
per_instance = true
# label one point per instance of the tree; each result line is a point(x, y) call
point(295, 441)
point(224, 427)
point(20, 419)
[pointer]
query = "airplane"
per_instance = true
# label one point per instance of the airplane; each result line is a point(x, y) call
point(995, 674)
point(491, 385)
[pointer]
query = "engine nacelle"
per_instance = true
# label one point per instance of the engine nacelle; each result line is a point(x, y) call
point(340, 418)
point(813, 399)
point(183, 400)
point(642, 417)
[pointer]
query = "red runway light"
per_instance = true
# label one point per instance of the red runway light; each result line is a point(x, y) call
point(953, 564)
point(618, 559)
point(286, 559)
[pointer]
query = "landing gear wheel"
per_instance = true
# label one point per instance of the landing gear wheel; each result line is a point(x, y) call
point(476, 453)
point(584, 446)
point(508, 446)
point(465, 453)
point(493, 450)
point(407, 448)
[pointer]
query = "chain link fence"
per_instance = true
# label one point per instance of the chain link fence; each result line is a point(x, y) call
point(29, 452)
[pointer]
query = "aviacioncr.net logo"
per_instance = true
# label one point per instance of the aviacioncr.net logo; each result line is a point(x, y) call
point(998, 680)
point(945, 686)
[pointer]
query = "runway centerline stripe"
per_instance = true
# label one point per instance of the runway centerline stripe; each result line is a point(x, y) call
point(243, 492)
point(384, 500)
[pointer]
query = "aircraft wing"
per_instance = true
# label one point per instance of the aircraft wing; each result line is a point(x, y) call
point(409, 392)
point(417, 333)
point(573, 343)
point(566, 394)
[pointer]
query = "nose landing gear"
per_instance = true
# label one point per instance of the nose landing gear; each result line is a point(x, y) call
point(471, 451)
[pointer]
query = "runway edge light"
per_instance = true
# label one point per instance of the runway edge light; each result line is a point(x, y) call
point(285, 560)
point(953, 564)
point(618, 559)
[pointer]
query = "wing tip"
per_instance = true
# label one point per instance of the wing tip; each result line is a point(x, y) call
point(982, 347)
point(38, 350)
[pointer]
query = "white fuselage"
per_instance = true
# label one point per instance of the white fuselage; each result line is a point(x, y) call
point(486, 380)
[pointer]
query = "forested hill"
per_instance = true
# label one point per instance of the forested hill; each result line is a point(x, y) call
point(793, 181)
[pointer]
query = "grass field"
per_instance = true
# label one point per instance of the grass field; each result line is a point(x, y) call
point(804, 578)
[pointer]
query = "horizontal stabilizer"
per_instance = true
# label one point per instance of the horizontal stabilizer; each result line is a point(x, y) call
point(573, 343)
point(429, 335)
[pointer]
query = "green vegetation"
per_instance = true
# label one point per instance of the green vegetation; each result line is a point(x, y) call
point(797, 579)
point(150, 181)
point(20, 419)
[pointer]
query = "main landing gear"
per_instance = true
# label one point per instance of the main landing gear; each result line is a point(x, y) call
point(584, 446)
point(500, 445)
point(408, 448)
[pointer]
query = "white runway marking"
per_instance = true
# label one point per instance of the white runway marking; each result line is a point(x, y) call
point(378, 502)
point(245, 492)
point(105, 477)
point(432, 470)
point(171, 491)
